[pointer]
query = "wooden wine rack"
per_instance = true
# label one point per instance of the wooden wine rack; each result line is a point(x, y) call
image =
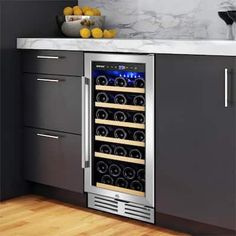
point(118, 189)
point(119, 158)
point(119, 106)
point(120, 124)
point(120, 89)
point(120, 141)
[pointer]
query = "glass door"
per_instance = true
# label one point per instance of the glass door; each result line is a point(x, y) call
point(121, 126)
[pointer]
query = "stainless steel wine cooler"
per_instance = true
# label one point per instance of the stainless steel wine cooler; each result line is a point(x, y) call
point(118, 134)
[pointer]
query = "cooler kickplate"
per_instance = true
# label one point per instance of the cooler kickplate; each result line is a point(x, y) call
point(122, 208)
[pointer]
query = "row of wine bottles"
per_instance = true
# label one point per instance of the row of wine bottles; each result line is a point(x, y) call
point(123, 183)
point(121, 151)
point(120, 116)
point(120, 81)
point(120, 133)
point(122, 99)
point(113, 174)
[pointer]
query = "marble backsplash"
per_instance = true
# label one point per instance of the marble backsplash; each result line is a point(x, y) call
point(177, 19)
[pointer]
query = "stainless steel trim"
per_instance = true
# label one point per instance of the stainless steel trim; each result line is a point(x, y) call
point(48, 57)
point(122, 208)
point(49, 80)
point(226, 88)
point(85, 122)
point(48, 136)
point(148, 60)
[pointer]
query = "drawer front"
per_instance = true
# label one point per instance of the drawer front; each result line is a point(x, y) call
point(53, 62)
point(53, 158)
point(52, 102)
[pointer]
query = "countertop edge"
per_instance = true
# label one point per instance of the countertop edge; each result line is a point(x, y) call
point(145, 46)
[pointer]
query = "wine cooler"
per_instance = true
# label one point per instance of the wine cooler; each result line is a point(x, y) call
point(118, 134)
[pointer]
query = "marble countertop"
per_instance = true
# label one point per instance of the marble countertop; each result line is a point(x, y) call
point(188, 47)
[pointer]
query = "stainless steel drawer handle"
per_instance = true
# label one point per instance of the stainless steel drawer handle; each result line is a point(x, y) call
point(49, 80)
point(48, 57)
point(226, 88)
point(47, 136)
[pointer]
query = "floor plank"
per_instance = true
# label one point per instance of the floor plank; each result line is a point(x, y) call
point(38, 216)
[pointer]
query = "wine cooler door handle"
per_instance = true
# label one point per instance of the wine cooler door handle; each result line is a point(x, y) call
point(85, 122)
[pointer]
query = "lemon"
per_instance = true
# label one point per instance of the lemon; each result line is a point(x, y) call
point(85, 8)
point(89, 13)
point(107, 34)
point(97, 33)
point(113, 32)
point(76, 7)
point(96, 12)
point(68, 11)
point(85, 33)
point(77, 12)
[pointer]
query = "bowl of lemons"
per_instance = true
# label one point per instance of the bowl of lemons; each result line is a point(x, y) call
point(85, 22)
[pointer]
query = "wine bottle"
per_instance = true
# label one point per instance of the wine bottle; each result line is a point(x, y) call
point(107, 179)
point(138, 118)
point(102, 114)
point(105, 148)
point(120, 116)
point(129, 173)
point(121, 82)
point(114, 170)
point(141, 175)
point(139, 83)
point(120, 99)
point(102, 97)
point(102, 80)
point(120, 133)
point(101, 167)
point(120, 151)
point(135, 153)
point(102, 131)
point(136, 185)
point(121, 182)
point(139, 100)
point(139, 136)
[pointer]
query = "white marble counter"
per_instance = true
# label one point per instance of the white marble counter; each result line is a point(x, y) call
point(188, 47)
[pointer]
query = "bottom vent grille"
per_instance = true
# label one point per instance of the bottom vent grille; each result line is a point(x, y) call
point(105, 203)
point(131, 210)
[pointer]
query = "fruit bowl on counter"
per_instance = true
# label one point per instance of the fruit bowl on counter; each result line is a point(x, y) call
point(83, 22)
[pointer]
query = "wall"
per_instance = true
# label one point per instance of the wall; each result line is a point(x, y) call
point(177, 19)
point(32, 18)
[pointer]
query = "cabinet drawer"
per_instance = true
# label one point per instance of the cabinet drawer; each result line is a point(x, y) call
point(53, 158)
point(52, 102)
point(53, 62)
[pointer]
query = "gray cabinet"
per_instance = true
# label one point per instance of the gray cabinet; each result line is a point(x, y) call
point(53, 158)
point(52, 102)
point(52, 118)
point(53, 62)
point(196, 138)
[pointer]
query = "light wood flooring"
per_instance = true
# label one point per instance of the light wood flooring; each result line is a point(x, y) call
point(38, 216)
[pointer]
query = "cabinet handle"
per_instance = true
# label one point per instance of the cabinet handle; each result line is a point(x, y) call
point(226, 88)
point(49, 80)
point(85, 122)
point(48, 57)
point(48, 136)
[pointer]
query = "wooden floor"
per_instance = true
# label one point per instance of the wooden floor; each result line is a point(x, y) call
point(38, 216)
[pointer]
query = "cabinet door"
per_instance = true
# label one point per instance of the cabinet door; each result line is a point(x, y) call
point(52, 102)
point(53, 158)
point(195, 139)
